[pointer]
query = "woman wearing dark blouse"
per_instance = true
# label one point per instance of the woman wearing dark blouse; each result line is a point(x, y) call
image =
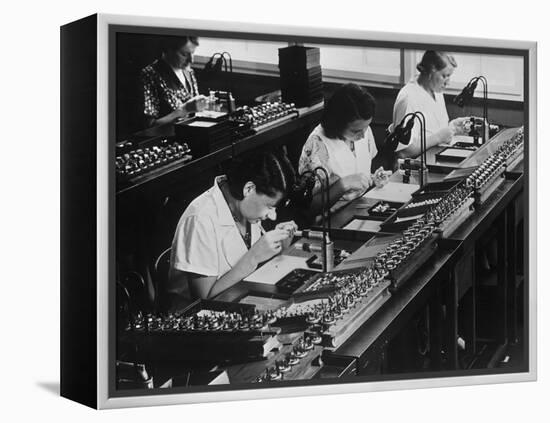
point(170, 90)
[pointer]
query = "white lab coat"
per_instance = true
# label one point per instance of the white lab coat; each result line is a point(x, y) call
point(207, 241)
point(413, 98)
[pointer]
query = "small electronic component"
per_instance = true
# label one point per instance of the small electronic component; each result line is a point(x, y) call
point(384, 209)
point(381, 208)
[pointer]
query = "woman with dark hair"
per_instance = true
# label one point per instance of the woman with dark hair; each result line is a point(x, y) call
point(343, 144)
point(170, 89)
point(424, 93)
point(219, 239)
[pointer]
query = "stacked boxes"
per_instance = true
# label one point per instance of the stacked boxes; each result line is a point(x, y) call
point(300, 75)
point(205, 136)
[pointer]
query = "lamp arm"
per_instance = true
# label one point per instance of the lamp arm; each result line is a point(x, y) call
point(325, 204)
point(474, 80)
point(307, 173)
point(405, 118)
point(485, 97)
point(326, 193)
point(224, 54)
point(213, 57)
point(485, 106)
point(422, 120)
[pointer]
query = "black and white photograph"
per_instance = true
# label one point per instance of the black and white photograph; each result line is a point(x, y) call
point(291, 211)
point(298, 208)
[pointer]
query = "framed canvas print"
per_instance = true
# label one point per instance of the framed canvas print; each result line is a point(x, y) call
point(254, 211)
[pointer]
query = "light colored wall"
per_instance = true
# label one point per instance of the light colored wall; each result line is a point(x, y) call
point(375, 66)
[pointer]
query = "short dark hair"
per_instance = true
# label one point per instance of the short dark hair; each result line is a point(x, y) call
point(271, 173)
point(348, 103)
point(434, 61)
point(173, 43)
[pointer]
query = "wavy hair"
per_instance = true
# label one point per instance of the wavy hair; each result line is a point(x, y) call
point(434, 61)
point(348, 103)
point(271, 173)
point(174, 43)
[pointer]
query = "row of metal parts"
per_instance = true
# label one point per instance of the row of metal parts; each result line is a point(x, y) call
point(264, 113)
point(351, 288)
point(214, 322)
point(341, 303)
point(422, 229)
point(398, 251)
point(283, 366)
point(353, 282)
point(422, 203)
point(446, 206)
point(452, 202)
point(495, 164)
point(138, 161)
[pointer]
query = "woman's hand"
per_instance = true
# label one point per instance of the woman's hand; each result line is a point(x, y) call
point(291, 229)
point(270, 244)
point(178, 114)
point(381, 177)
point(459, 126)
point(195, 104)
point(357, 182)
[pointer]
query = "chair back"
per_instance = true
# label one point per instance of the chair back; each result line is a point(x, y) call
point(161, 269)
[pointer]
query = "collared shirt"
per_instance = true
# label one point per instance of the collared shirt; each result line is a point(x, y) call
point(336, 157)
point(163, 91)
point(207, 241)
point(413, 98)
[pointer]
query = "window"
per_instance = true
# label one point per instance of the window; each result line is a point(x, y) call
point(504, 73)
point(247, 56)
point(372, 66)
point(360, 64)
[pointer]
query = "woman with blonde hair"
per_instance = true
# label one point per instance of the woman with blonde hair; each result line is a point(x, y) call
point(424, 93)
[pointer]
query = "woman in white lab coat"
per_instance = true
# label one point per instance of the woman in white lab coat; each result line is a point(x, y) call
point(219, 239)
point(424, 93)
point(342, 144)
